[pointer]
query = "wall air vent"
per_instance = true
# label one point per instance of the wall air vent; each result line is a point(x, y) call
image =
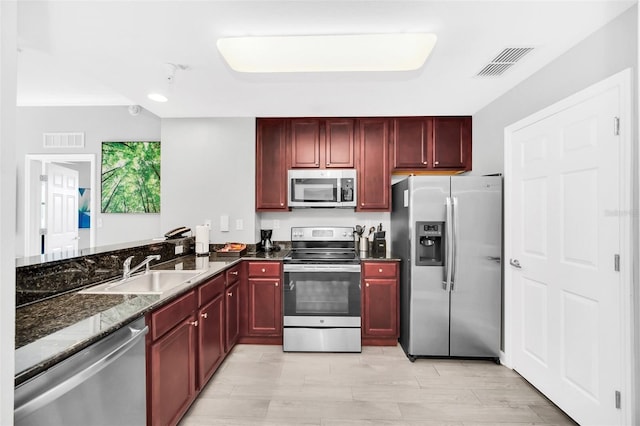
point(63, 140)
point(503, 61)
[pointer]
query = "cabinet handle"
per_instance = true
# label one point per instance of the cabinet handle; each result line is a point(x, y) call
point(367, 284)
point(276, 284)
point(230, 294)
point(281, 204)
point(436, 162)
point(193, 323)
point(264, 270)
point(425, 163)
point(205, 315)
point(380, 270)
point(233, 272)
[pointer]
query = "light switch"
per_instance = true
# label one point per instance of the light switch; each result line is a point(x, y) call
point(239, 224)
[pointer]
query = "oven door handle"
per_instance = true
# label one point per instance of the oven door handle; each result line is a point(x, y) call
point(321, 268)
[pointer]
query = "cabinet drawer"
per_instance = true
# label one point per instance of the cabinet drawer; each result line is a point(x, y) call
point(233, 274)
point(165, 318)
point(210, 289)
point(380, 269)
point(264, 269)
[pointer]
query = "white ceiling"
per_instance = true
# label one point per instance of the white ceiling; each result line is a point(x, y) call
point(113, 53)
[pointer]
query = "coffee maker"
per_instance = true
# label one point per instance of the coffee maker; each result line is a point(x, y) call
point(265, 240)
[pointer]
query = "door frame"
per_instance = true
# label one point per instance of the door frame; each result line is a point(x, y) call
point(28, 183)
point(621, 81)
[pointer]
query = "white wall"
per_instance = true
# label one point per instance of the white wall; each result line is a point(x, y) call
point(611, 49)
point(109, 123)
point(8, 71)
point(208, 170)
point(605, 52)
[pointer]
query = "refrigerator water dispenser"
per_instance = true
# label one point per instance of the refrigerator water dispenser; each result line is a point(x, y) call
point(430, 243)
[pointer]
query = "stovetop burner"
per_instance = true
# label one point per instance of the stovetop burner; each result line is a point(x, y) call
point(322, 245)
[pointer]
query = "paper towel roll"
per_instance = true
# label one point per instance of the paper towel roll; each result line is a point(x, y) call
point(202, 239)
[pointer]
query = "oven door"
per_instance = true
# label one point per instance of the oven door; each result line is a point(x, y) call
point(321, 295)
point(321, 308)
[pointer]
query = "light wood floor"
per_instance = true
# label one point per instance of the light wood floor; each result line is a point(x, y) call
point(261, 385)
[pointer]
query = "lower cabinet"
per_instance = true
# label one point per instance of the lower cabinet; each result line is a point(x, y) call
point(171, 361)
point(185, 346)
point(263, 303)
point(380, 293)
point(232, 304)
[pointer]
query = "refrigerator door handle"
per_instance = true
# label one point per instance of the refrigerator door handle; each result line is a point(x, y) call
point(448, 241)
point(454, 248)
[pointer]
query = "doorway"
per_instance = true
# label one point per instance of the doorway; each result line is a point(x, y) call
point(36, 209)
point(567, 240)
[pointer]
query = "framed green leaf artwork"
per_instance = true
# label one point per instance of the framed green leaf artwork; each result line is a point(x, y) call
point(130, 177)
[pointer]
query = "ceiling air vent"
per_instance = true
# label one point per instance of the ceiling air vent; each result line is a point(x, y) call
point(63, 140)
point(503, 61)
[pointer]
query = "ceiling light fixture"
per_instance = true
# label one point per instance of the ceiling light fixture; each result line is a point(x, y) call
point(157, 97)
point(327, 53)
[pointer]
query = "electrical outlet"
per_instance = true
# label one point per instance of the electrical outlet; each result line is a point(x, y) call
point(224, 223)
point(179, 249)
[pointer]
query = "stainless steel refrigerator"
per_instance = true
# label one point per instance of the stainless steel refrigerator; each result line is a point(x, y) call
point(448, 232)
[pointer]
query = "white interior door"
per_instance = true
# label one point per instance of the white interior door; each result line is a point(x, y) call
point(62, 209)
point(565, 194)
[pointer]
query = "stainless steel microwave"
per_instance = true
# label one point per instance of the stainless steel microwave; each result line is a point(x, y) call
point(322, 188)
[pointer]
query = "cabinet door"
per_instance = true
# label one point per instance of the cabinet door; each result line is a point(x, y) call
point(265, 307)
point(374, 178)
point(232, 306)
point(452, 143)
point(380, 310)
point(410, 141)
point(271, 165)
point(339, 143)
point(210, 339)
point(172, 368)
point(305, 143)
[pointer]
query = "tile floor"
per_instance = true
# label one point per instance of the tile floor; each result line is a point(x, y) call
point(261, 385)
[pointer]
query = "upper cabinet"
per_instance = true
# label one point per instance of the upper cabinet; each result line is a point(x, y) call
point(452, 143)
point(271, 165)
point(411, 138)
point(322, 143)
point(375, 146)
point(374, 178)
point(431, 143)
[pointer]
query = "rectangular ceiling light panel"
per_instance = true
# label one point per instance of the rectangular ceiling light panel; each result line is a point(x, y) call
point(330, 53)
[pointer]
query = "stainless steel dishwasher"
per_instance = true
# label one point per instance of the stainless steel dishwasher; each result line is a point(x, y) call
point(103, 384)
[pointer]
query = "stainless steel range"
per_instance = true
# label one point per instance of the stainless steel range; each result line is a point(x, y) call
point(322, 291)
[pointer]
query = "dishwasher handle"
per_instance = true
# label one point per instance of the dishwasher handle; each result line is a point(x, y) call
point(47, 394)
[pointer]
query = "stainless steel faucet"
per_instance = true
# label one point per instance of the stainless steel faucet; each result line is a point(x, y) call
point(127, 270)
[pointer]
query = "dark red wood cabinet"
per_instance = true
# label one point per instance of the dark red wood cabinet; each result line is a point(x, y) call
point(171, 360)
point(232, 306)
point(374, 177)
point(271, 164)
point(211, 317)
point(380, 294)
point(410, 141)
point(451, 143)
point(431, 143)
point(264, 299)
point(322, 143)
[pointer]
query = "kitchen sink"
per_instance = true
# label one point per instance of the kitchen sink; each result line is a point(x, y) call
point(154, 282)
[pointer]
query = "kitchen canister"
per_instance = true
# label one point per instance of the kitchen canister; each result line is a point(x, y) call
point(364, 244)
point(202, 240)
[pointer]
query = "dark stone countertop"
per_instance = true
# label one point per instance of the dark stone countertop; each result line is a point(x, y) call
point(54, 329)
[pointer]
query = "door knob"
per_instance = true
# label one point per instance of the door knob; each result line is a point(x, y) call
point(515, 263)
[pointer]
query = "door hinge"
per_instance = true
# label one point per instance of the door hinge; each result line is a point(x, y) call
point(44, 178)
point(618, 398)
point(616, 262)
point(616, 126)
